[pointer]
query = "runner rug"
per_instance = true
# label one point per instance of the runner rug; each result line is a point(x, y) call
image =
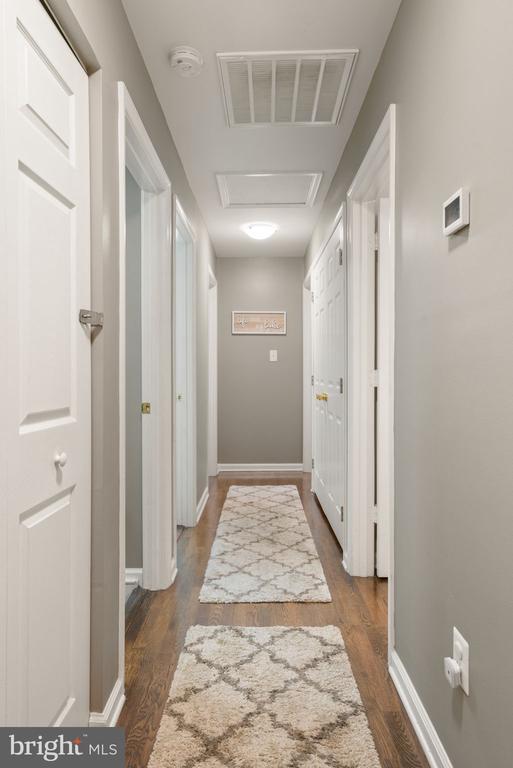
point(263, 551)
point(264, 697)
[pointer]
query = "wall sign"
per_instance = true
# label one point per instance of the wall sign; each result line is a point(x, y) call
point(259, 323)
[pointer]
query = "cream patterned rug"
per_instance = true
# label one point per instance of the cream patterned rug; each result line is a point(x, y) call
point(263, 551)
point(264, 697)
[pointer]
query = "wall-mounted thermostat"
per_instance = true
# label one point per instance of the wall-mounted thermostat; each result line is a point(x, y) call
point(456, 214)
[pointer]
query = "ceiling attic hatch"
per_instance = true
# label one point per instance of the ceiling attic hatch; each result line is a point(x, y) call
point(285, 88)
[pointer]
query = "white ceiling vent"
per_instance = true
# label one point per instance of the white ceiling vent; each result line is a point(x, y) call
point(284, 88)
point(268, 190)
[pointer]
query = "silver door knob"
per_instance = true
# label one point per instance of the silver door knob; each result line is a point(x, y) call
point(60, 459)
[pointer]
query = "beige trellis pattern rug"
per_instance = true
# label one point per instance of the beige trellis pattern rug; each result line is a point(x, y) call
point(264, 697)
point(263, 551)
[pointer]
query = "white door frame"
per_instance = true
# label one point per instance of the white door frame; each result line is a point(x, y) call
point(212, 373)
point(378, 165)
point(376, 172)
point(181, 221)
point(136, 152)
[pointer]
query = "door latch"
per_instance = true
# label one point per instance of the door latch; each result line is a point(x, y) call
point(88, 317)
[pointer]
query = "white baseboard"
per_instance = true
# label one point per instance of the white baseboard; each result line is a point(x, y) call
point(133, 579)
point(259, 467)
point(201, 505)
point(112, 710)
point(133, 576)
point(430, 742)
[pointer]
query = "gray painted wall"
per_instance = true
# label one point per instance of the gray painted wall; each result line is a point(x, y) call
point(448, 67)
point(101, 32)
point(133, 530)
point(260, 403)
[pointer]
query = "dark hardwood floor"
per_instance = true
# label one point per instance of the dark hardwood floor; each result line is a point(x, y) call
point(157, 625)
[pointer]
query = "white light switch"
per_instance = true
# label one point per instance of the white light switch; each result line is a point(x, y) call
point(273, 355)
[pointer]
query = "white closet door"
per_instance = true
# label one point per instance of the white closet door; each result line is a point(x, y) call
point(329, 377)
point(46, 420)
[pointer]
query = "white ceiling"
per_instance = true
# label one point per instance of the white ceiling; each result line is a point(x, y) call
point(194, 107)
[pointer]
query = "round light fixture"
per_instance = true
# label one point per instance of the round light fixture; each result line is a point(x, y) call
point(260, 230)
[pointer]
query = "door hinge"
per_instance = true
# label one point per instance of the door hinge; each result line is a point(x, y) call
point(88, 317)
point(313, 380)
point(145, 407)
point(341, 386)
point(341, 257)
point(312, 297)
point(342, 514)
point(313, 463)
point(376, 241)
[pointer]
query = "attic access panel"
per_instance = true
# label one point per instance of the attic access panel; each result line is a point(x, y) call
point(297, 189)
point(285, 88)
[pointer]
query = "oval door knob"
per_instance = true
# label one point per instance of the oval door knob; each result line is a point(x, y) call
point(60, 459)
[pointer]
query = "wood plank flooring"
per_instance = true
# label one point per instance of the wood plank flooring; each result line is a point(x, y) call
point(157, 625)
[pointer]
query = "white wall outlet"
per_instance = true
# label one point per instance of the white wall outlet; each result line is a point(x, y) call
point(460, 654)
point(452, 672)
point(273, 355)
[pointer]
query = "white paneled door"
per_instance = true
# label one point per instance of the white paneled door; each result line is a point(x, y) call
point(46, 418)
point(329, 383)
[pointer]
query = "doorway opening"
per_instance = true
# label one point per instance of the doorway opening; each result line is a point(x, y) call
point(350, 319)
point(184, 370)
point(146, 518)
point(371, 284)
point(133, 391)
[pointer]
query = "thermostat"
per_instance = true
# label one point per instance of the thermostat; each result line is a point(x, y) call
point(456, 213)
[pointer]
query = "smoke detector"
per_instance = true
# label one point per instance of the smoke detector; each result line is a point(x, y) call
point(187, 61)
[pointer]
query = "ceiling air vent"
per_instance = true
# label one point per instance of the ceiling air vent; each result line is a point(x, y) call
point(284, 88)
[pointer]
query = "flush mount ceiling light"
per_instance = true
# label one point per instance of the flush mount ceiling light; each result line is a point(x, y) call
point(260, 230)
point(187, 61)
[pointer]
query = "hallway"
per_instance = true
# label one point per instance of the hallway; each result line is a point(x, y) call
point(255, 351)
point(156, 629)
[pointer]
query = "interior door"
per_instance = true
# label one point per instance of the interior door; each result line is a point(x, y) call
point(46, 416)
point(328, 383)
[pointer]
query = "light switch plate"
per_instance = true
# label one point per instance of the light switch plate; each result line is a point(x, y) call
point(460, 653)
point(273, 355)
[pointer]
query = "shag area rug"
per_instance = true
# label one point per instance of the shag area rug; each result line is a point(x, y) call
point(264, 697)
point(263, 551)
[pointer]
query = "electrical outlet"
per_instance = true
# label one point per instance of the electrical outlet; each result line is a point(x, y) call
point(460, 654)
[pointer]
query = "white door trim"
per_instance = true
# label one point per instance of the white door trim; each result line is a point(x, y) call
point(379, 161)
point(307, 380)
point(181, 220)
point(136, 152)
point(212, 373)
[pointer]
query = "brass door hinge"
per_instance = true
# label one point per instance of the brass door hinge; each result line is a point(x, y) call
point(145, 407)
